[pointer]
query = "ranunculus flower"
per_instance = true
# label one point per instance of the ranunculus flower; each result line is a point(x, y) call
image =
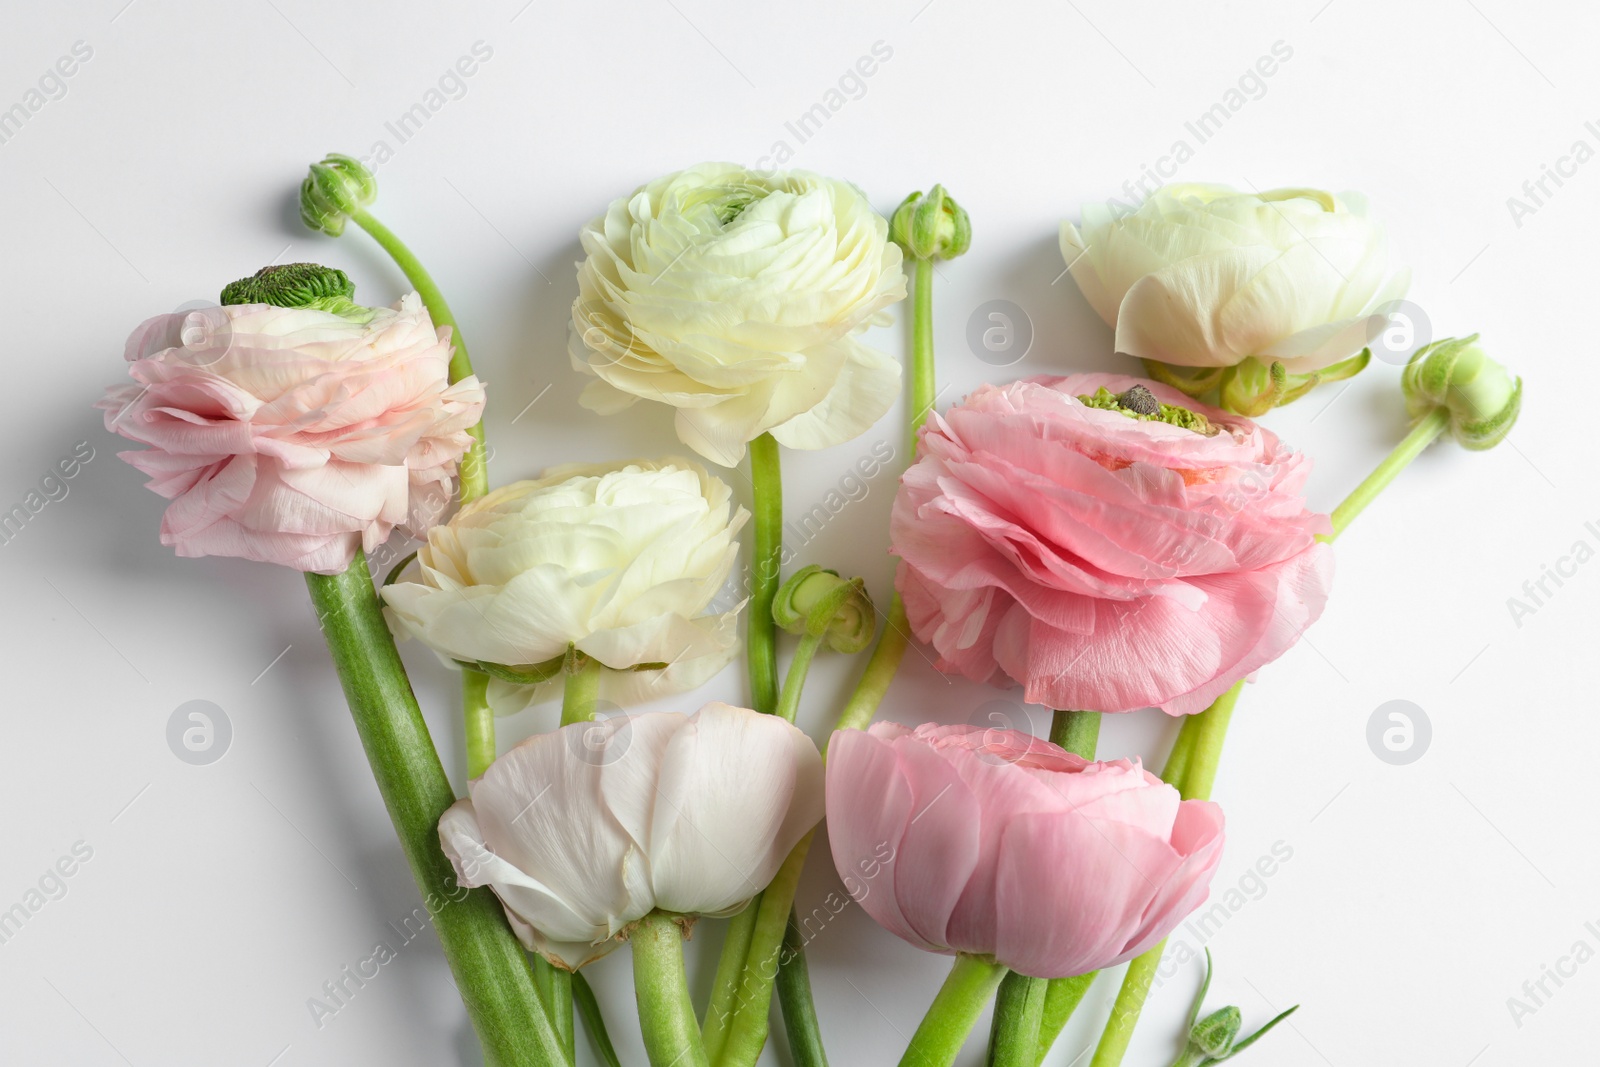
point(1204, 276)
point(995, 843)
point(619, 560)
point(1106, 560)
point(294, 436)
point(736, 296)
point(585, 830)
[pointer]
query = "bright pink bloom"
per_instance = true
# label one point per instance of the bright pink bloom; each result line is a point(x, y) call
point(293, 436)
point(1104, 562)
point(992, 842)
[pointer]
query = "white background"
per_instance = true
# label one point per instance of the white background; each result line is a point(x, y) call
point(1418, 898)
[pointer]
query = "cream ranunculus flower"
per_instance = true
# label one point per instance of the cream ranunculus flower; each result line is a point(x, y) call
point(582, 831)
point(1202, 276)
point(619, 561)
point(736, 296)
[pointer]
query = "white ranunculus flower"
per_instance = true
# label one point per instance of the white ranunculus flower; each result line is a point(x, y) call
point(737, 296)
point(618, 560)
point(1204, 276)
point(582, 831)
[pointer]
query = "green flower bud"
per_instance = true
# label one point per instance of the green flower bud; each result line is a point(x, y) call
point(818, 603)
point(1483, 398)
point(336, 187)
point(1213, 1036)
point(932, 226)
point(299, 285)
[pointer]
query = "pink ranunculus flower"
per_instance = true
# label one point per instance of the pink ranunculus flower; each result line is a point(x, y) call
point(290, 435)
point(1106, 562)
point(995, 843)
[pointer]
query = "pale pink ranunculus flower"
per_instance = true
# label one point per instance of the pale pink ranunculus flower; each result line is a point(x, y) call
point(1104, 562)
point(584, 831)
point(995, 843)
point(290, 435)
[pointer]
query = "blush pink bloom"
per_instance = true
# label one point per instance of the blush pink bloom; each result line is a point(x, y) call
point(293, 436)
point(1104, 562)
point(995, 843)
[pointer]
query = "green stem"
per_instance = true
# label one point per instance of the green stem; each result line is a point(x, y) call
point(725, 988)
point(1182, 749)
point(1192, 767)
point(924, 382)
point(1125, 1012)
point(1076, 731)
point(555, 986)
point(474, 470)
point(746, 1030)
point(794, 997)
point(1022, 1032)
point(894, 637)
point(1410, 447)
point(1210, 728)
point(762, 637)
point(581, 691)
point(951, 1016)
point(491, 969)
point(666, 1017)
point(1018, 1015)
point(795, 680)
point(593, 1021)
point(870, 688)
point(880, 670)
point(1061, 999)
point(479, 721)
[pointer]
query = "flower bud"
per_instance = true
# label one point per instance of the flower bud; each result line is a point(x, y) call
point(932, 226)
point(295, 285)
point(1483, 398)
point(1213, 1036)
point(818, 603)
point(336, 187)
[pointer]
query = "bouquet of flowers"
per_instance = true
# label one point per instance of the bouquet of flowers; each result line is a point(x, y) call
point(1109, 543)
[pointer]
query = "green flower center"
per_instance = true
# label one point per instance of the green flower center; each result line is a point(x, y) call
point(1140, 403)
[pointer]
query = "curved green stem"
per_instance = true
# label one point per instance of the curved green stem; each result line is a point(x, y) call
point(581, 691)
point(1030, 1013)
point(474, 470)
point(795, 680)
point(1125, 1012)
point(762, 638)
point(491, 969)
point(745, 1032)
point(479, 721)
point(666, 1017)
point(951, 1016)
point(879, 672)
point(593, 1020)
point(1410, 447)
point(794, 998)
